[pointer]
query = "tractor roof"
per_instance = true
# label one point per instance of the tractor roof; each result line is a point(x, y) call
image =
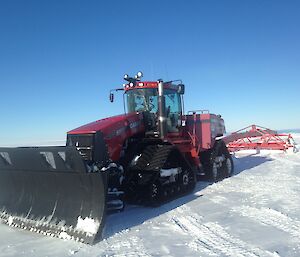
point(149, 84)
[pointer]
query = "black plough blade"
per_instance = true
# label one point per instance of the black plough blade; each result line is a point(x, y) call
point(48, 190)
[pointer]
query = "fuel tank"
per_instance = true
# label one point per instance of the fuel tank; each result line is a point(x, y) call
point(206, 126)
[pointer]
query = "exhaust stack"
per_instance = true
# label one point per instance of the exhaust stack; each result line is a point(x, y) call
point(162, 119)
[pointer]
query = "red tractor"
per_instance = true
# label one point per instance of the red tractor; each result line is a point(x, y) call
point(149, 155)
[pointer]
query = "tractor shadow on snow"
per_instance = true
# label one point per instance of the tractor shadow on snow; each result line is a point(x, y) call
point(248, 162)
point(134, 215)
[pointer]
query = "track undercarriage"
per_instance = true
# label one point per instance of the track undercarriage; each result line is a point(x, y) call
point(158, 173)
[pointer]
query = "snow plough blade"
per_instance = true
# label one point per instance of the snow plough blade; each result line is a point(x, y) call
point(50, 191)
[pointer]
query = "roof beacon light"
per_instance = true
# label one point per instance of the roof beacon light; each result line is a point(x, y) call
point(139, 74)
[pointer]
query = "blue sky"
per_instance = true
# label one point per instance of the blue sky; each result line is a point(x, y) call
point(58, 60)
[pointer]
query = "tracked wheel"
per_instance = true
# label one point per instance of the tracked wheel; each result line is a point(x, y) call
point(217, 162)
point(159, 174)
point(188, 180)
point(216, 172)
point(228, 167)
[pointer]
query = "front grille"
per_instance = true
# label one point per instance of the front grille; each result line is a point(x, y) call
point(84, 144)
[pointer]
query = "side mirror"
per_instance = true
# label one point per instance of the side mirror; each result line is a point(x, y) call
point(181, 89)
point(111, 97)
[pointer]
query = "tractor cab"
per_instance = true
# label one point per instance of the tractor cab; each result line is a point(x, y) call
point(145, 98)
point(160, 102)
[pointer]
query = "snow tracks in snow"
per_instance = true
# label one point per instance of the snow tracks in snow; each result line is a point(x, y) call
point(211, 239)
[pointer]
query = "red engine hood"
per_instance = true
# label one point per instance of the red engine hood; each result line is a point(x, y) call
point(115, 130)
point(104, 124)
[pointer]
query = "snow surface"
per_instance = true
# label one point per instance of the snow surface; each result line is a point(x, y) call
point(254, 213)
point(87, 225)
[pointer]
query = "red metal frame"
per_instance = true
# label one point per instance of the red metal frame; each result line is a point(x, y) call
point(257, 137)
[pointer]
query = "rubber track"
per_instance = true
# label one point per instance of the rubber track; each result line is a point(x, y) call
point(153, 157)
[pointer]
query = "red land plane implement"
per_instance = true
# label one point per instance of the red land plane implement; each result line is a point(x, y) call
point(257, 137)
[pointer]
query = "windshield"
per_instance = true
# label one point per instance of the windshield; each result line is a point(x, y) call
point(139, 100)
point(146, 99)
